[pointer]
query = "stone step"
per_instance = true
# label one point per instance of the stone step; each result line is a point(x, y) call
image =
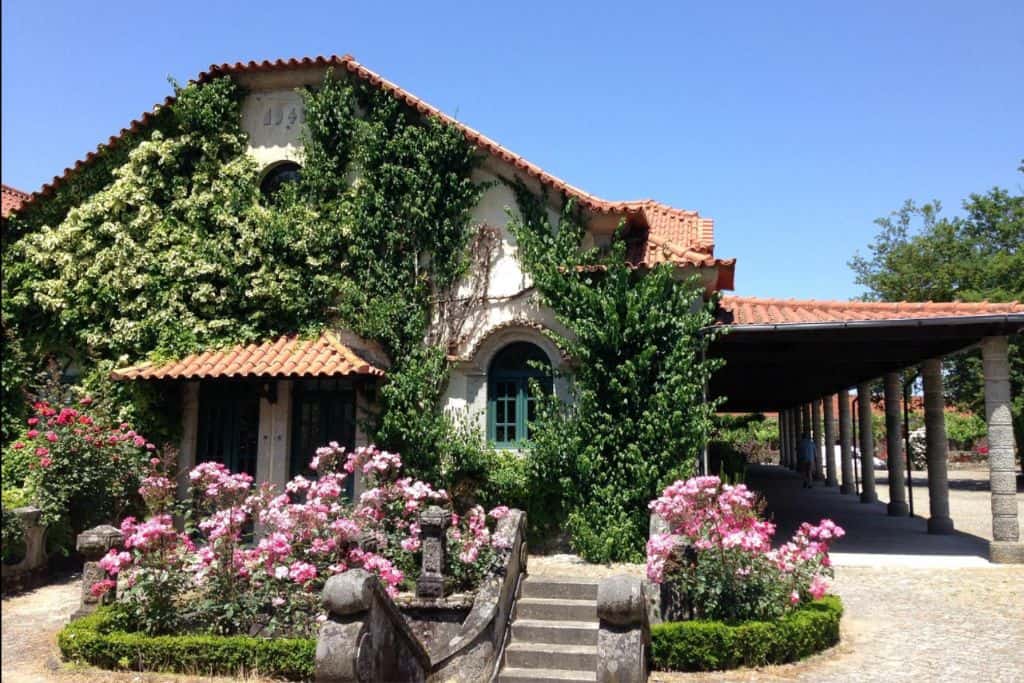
point(553, 609)
point(515, 675)
point(556, 632)
point(551, 656)
point(557, 587)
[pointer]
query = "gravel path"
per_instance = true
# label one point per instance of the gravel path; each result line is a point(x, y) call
point(30, 655)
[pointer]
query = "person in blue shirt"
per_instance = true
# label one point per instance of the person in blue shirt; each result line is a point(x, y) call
point(805, 458)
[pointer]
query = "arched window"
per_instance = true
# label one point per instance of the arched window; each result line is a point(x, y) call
point(279, 175)
point(510, 405)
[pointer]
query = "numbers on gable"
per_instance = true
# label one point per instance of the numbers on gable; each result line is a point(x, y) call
point(286, 115)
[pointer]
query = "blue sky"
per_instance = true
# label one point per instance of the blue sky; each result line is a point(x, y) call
point(793, 125)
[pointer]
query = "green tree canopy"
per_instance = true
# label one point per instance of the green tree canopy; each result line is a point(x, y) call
point(921, 255)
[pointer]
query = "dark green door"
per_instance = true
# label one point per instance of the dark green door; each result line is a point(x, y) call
point(323, 411)
point(229, 423)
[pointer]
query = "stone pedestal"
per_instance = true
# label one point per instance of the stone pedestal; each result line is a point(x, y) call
point(93, 544)
point(434, 523)
point(624, 632)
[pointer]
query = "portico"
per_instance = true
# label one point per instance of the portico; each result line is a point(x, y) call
point(794, 356)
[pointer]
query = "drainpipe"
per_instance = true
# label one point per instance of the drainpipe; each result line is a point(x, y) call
point(704, 401)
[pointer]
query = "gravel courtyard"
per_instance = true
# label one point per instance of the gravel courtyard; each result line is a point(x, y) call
point(918, 607)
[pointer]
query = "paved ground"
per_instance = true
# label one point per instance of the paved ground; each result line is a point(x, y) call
point(873, 537)
point(918, 607)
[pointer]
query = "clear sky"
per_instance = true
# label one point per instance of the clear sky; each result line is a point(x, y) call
point(793, 125)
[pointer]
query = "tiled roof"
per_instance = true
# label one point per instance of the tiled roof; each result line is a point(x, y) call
point(740, 310)
point(329, 355)
point(678, 236)
point(12, 199)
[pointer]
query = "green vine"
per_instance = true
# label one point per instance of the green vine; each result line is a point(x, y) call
point(638, 420)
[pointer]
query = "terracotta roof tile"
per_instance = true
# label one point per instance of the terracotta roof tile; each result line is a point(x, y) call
point(677, 236)
point(329, 355)
point(737, 310)
point(12, 199)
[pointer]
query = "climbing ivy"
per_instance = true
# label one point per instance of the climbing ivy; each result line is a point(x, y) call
point(169, 248)
point(639, 419)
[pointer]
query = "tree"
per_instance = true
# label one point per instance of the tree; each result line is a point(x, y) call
point(921, 255)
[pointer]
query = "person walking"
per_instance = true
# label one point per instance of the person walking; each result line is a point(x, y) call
point(805, 458)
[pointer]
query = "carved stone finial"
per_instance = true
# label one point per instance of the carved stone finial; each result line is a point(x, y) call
point(93, 544)
point(434, 523)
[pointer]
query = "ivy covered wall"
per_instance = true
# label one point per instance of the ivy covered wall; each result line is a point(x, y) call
point(166, 246)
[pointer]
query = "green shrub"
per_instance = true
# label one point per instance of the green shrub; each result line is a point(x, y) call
point(639, 418)
point(94, 640)
point(715, 645)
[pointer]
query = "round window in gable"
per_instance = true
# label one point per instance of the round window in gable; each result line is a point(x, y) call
point(278, 177)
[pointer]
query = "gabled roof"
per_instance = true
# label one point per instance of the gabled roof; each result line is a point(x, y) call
point(12, 200)
point(329, 355)
point(676, 236)
point(745, 311)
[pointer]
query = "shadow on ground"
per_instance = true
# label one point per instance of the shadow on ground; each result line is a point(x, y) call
point(869, 528)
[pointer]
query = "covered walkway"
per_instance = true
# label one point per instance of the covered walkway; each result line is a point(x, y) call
point(802, 358)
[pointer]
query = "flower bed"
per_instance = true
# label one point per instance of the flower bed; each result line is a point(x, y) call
point(714, 645)
point(718, 554)
point(749, 603)
point(213, 578)
point(95, 640)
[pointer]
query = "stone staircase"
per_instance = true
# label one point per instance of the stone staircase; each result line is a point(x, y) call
point(554, 632)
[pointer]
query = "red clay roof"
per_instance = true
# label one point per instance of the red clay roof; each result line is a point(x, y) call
point(288, 356)
point(677, 236)
point(12, 199)
point(741, 310)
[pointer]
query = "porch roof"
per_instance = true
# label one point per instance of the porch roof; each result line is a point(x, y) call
point(782, 353)
point(329, 355)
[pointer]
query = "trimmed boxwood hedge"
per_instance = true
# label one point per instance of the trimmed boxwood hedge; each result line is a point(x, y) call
point(714, 645)
point(92, 639)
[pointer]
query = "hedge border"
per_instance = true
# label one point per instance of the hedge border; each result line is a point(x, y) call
point(93, 640)
point(714, 645)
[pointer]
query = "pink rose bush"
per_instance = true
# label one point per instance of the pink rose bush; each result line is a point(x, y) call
point(718, 555)
point(254, 559)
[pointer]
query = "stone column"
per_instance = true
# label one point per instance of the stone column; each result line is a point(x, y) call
point(433, 528)
point(867, 445)
point(818, 472)
point(794, 437)
point(805, 420)
point(787, 431)
point(830, 442)
point(93, 544)
point(936, 446)
point(846, 443)
point(1006, 545)
point(781, 440)
point(895, 462)
point(189, 435)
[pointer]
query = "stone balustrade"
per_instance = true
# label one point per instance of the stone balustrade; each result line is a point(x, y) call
point(624, 633)
point(30, 569)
